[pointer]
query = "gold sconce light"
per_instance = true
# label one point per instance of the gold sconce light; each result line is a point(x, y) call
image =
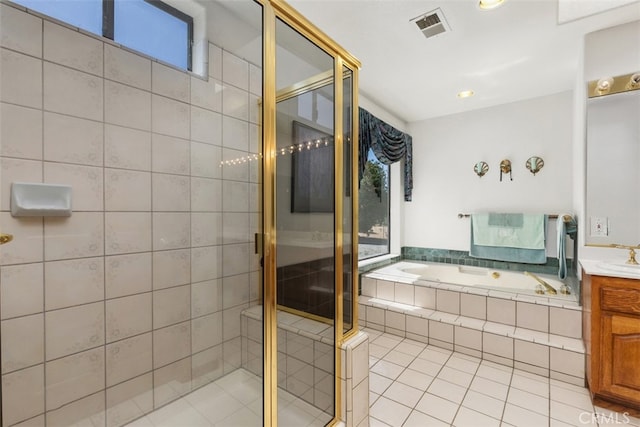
point(616, 84)
point(505, 168)
point(534, 164)
point(481, 168)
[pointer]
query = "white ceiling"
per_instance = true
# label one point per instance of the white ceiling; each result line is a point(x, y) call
point(514, 52)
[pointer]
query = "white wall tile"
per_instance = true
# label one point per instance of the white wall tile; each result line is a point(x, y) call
point(129, 400)
point(235, 103)
point(21, 290)
point(255, 109)
point(170, 155)
point(235, 290)
point(169, 82)
point(128, 316)
point(72, 48)
point(171, 268)
point(565, 322)
point(21, 79)
point(171, 306)
point(236, 228)
point(74, 329)
point(21, 131)
point(235, 196)
point(206, 195)
point(16, 170)
point(171, 343)
point(20, 31)
point(127, 106)
point(126, 67)
point(127, 274)
point(18, 351)
point(234, 259)
point(171, 230)
point(501, 311)
point(85, 411)
point(206, 332)
point(235, 133)
point(206, 126)
point(127, 190)
point(80, 235)
point(206, 93)
point(128, 358)
point(448, 301)
point(207, 262)
point(127, 232)
point(205, 160)
point(235, 70)
point(72, 92)
point(73, 377)
point(87, 184)
point(27, 241)
point(170, 117)
point(73, 282)
point(127, 148)
point(207, 366)
point(23, 394)
point(206, 229)
point(238, 170)
point(215, 61)
point(171, 382)
point(255, 80)
point(170, 192)
point(532, 316)
point(473, 306)
point(72, 140)
point(206, 297)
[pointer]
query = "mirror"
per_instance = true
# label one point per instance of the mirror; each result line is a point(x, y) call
point(613, 169)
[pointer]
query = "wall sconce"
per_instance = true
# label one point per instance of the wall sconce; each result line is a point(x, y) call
point(604, 85)
point(634, 82)
point(481, 168)
point(505, 168)
point(534, 164)
point(614, 84)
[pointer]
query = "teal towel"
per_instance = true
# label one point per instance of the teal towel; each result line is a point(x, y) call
point(521, 231)
point(563, 229)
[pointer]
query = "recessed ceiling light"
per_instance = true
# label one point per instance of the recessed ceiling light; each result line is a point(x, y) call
point(489, 4)
point(465, 94)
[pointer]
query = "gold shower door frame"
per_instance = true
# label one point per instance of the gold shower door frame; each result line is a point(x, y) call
point(272, 10)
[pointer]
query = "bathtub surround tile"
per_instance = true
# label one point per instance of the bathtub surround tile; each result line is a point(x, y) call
point(73, 377)
point(73, 92)
point(497, 345)
point(127, 232)
point(128, 358)
point(425, 297)
point(127, 148)
point(69, 139)
point(127, 274)
point(128, 316)
point(18, 352)
point(169, 82)
point(87, 183)
point(532, 316)
point(23, 394)
point(126, 67)
point(127, 190)
point(565, 322)
point(21, 131)
point(127, 106)
point(73, 282)
point(20, 31)
point(72, 49)
point(473, 306)
point(21, 290)
point(78, 236)
point(27, 244)
point(21, 79)
point(16, 170)
point(447, 301)
point(501, 311)
point(567, 362)
point(74, 329)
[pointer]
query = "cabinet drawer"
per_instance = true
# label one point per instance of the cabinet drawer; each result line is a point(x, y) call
point(620, 300)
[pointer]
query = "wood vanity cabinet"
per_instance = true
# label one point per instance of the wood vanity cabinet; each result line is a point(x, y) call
point(611, 329)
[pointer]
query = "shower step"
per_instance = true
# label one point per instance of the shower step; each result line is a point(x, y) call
point(530, 335)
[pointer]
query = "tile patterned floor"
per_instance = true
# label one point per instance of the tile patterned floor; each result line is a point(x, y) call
point(411, 385)
point(415, 385)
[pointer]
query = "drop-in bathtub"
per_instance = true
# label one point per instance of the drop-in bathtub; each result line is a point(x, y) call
point(515, 282)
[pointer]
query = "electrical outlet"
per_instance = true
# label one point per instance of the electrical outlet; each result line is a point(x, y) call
point(599, 226)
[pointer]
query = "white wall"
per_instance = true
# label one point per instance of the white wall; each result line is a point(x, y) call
point(445, 149)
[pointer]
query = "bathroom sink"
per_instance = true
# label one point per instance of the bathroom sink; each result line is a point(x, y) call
point(621, 267)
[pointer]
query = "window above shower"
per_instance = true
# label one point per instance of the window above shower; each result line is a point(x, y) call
point(151, 27)
point(374, 210)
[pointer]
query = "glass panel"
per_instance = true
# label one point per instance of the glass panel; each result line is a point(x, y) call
point(305, 229)
point(150, 30)
point(373, 212)
point(86, 14)
point(347, 223)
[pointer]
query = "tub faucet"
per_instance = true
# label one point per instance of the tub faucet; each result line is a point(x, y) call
point(550, 289)
point(632, 253)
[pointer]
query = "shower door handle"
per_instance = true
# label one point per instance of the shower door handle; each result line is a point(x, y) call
point(5, 238)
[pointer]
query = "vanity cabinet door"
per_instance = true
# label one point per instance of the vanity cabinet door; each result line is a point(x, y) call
point(620, 356)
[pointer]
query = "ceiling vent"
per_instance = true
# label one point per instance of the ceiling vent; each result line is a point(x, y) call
point(432, 23)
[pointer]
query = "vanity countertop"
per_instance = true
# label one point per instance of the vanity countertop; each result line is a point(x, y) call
point(611, 268)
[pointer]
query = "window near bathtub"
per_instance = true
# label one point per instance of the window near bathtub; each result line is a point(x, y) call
point(151, 27)
point(373, 212)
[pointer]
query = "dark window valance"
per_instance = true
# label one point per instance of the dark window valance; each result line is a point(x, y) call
point(388, 144)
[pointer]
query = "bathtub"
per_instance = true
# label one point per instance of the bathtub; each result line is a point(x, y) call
point(472, 277)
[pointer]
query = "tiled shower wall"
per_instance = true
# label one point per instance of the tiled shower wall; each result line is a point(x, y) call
point(135, 299)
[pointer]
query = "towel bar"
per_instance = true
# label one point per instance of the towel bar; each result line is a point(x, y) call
point(566, 218)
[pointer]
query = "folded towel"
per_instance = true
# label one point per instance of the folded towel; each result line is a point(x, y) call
point(523, 231)
point(562, 229)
